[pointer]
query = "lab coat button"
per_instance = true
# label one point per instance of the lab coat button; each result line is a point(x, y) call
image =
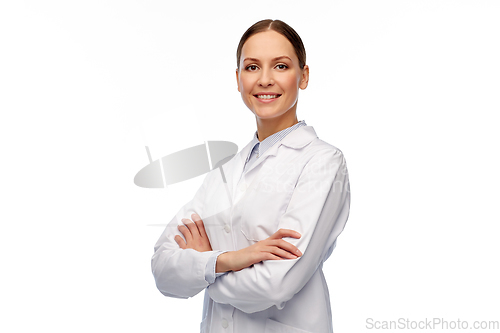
point(227, 228)
point(224, 323)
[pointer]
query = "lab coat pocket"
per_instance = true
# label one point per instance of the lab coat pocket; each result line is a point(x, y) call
point(273, 326)
point(265, 201)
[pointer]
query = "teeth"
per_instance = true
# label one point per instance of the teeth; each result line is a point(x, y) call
point(267, 96)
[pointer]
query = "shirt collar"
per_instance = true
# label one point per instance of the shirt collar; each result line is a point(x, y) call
point(264, 145)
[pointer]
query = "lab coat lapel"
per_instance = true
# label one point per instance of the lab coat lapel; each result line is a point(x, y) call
point(297, 139)
point(271, 152)
point(238, 166)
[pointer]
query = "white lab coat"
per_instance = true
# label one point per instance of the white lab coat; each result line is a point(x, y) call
point(300, 183)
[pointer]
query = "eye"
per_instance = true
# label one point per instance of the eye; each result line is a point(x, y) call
point(251, 66)
point(282, 66)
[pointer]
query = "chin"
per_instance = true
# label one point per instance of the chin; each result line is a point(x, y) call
point(269, 114)
point(263, 115)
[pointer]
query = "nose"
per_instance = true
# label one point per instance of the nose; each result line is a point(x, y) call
point(266, 78)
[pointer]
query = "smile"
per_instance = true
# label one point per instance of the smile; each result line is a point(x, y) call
point(267, 96)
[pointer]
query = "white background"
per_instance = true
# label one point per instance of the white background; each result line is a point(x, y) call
point(408, 90)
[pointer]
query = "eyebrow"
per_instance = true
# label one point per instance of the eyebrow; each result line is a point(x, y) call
point(274, 59)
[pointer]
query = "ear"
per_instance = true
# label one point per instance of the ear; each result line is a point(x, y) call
point(238, 79)
point(304, 80)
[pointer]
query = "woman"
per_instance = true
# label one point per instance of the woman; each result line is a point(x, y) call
point(259, 235)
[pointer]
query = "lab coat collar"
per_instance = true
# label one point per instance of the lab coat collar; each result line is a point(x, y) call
point(297, 139)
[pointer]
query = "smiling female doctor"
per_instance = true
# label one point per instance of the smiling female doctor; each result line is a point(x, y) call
point(285, 184)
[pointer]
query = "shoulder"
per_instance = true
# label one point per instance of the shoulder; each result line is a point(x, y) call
point(319, 151)
point(307, 143)
point(321, 146)
point(324, 158)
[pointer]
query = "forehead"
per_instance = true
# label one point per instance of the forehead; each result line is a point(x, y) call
point(267, 45)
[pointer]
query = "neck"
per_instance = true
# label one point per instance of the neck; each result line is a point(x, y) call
point(267, 127)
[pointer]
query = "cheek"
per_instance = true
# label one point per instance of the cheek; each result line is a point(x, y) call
point(246, 86)
point(246, 89)
point(246, 83)
point(290, 83)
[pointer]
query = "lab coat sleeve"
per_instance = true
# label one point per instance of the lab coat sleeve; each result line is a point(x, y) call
point(318, 210)
point(180, 273)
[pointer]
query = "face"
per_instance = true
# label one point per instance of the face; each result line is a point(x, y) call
point(269, 77)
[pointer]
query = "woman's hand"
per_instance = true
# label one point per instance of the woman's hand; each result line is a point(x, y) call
point(195, 235)
point(272, 248)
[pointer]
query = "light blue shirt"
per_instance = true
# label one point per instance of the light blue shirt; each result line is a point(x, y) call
point(258, 149)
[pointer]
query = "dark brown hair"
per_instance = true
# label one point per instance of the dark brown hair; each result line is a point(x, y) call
point(280, 27)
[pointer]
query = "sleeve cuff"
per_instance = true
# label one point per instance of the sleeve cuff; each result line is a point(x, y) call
point(210, 274)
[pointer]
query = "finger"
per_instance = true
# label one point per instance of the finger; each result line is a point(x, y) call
point(186, 232)
point(270, 256)
point(286, 246)
point(192, 227)
point(285, 233)
point(178, 239)
point(199, 223)
point(281, 253)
